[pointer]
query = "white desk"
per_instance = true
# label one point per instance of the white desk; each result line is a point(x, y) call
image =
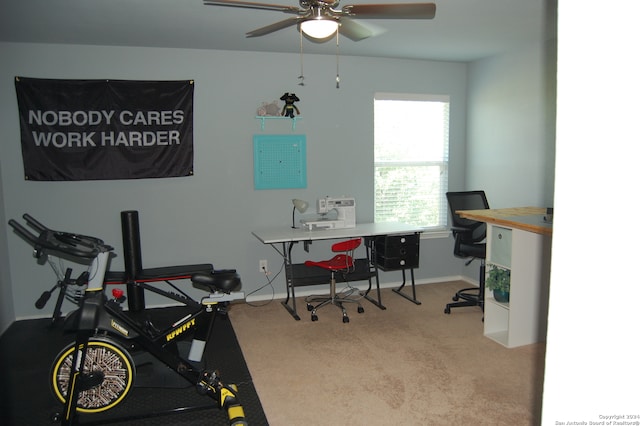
point(287, 237)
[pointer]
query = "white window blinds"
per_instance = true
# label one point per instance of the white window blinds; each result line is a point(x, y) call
point(411, 158)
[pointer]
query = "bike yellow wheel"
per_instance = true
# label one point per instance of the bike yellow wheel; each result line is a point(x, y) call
point(107, 364)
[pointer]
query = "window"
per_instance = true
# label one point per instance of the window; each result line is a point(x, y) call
point(411, 159)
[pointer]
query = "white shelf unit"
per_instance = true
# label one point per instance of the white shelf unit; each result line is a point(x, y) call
point(527, 255)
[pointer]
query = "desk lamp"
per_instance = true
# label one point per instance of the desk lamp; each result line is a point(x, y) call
point(299, 205)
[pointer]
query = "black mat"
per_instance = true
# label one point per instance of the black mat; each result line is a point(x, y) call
point(28, 348)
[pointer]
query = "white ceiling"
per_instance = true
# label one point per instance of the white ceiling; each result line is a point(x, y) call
point(463, 30)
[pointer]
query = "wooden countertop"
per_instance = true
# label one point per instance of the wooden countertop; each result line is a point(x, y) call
point(524, 218)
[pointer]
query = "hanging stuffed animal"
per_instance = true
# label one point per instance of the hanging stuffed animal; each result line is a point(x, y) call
point(289, 100)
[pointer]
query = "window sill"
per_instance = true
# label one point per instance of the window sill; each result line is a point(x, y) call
point(435, 233)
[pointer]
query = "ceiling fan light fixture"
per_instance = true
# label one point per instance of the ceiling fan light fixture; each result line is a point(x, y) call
point(319, 28)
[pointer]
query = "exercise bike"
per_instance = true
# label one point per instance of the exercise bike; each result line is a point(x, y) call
point(96, 372)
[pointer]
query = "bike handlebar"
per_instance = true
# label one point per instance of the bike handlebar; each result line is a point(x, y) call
point(34, 223)
point(63, 242)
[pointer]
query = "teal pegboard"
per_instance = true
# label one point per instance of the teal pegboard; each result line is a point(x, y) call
point(279, 161)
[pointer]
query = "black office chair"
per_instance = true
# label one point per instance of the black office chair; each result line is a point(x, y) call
point(469, 243)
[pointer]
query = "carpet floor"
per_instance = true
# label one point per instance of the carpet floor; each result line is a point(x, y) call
point(406, 365)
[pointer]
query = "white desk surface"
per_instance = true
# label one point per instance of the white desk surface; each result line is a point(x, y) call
point(282, 235)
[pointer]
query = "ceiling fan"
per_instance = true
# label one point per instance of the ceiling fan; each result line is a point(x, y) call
point(319, 19)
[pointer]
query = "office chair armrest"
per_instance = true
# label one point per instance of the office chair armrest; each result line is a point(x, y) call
point(455, 230)
point(458, 234)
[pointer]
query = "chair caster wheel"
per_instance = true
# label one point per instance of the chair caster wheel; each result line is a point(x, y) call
point(345, 319)
point(314, 317)
point(455, 298)
point(309, 307)
point(360, 309)
point(447, 310)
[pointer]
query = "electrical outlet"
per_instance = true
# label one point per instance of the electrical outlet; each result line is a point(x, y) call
point(264, 267)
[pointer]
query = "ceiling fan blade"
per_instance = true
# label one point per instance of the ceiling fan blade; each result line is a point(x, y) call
point(391, 11)
point(354, 30)
point(274, 27)
point(252, 5)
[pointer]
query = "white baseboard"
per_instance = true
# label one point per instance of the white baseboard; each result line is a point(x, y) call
point(303, 292)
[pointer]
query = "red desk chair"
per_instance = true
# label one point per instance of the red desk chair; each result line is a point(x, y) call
point(344, 264)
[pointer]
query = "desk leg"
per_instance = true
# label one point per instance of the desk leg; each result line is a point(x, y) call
point(291, 292)
point(413, 287)
point(292, 310)
point(372, 268)
point(378, 302)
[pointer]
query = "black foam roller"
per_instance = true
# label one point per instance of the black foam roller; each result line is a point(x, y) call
point(132, 257)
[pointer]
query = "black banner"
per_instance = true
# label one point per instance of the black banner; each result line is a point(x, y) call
point(105, 129)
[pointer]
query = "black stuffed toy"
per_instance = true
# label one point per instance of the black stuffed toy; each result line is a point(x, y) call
point(289, 107)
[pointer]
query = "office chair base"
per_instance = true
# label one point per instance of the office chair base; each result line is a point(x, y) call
point(316, 302)
point(323, 301)
point(472, 296)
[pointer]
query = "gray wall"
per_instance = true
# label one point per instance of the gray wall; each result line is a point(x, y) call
point(209, 217)
point(7, 314)
point(511, 127)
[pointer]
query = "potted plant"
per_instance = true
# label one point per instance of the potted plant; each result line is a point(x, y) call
point(499, 280)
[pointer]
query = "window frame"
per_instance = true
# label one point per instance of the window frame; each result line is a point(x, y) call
point(441, 228)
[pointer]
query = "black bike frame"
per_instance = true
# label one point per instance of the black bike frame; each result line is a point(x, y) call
point(99, 317)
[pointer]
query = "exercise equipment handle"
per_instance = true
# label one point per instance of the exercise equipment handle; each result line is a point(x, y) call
point(34, 223)
point(23, 232)
point(62, 242)
point(44, 298)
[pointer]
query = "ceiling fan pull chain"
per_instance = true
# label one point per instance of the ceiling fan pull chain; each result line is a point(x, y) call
point(338, 58)
point(301, 76)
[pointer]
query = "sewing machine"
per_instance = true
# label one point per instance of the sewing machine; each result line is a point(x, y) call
point(346, 214)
